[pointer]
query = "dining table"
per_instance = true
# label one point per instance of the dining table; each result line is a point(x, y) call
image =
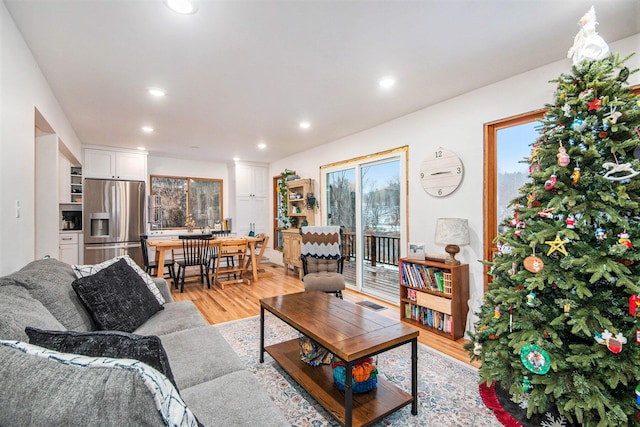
point(163, 245)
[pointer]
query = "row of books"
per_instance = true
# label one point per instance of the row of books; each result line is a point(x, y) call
point(424, 277)
point(426, 316)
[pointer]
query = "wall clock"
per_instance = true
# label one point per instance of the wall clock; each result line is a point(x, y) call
point(441, 173)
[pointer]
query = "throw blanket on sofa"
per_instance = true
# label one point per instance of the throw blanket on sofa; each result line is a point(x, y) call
point(321, 242)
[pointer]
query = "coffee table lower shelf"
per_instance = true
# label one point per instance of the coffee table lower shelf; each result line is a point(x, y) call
point(318, 381)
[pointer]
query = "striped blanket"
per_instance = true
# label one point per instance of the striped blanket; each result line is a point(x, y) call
point(321, 241)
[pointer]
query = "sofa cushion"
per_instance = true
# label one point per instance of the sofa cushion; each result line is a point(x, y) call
point(120, 345)
point(199, 355)
point(175, 316)
point(234, 400)
point(43, 387)
point(117, 298)
point(18, 310)
point(49, 281)
point(87, 270)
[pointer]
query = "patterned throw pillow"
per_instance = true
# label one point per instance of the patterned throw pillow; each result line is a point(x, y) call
point(117, 298)
point(171, 407)
point(87, 270)
point(121, 345)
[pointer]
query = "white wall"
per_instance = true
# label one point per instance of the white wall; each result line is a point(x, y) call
point(23, 88)
point(456, 124)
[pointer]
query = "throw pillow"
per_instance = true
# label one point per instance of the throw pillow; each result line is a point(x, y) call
point(121, 345)
point(117, 298)
point(88, 270)
point(45, 387)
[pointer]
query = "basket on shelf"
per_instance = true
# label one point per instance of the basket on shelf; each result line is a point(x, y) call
point(364, 375)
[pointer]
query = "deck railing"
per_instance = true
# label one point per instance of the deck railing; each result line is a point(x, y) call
point(378, 249)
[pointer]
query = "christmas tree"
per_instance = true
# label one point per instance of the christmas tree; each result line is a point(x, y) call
point(559, 324)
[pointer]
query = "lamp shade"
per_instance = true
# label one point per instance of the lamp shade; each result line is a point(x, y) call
point(452, 231)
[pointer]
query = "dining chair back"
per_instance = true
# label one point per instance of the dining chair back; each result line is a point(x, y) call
point(151, 266)
point(236, 250)
point(195, 253)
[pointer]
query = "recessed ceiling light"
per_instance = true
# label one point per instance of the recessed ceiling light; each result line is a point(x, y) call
point(147, 129)
point(305, 125)
point(235, 159)
point(156, 91)
point(262, 146)
point(141, 148)
point(386, 82)
point(184, 7)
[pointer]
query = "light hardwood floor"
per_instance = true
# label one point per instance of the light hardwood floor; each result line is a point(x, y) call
point(241, 301)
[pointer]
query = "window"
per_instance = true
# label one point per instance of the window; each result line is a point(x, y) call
point(181, 197)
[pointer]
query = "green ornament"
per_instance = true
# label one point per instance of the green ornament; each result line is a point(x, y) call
point(526, 385)
point(535, 359)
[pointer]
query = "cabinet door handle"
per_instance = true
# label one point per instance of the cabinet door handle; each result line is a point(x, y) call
point(67, 238)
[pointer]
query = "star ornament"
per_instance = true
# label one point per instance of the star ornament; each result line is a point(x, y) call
point(594, 105)
point(557, 245)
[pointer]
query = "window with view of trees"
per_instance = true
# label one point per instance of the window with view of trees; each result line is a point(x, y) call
point(184, 197)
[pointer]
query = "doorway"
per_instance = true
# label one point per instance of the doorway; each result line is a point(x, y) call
point(367, 198)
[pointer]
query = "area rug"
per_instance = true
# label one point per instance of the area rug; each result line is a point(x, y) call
point(447, 389)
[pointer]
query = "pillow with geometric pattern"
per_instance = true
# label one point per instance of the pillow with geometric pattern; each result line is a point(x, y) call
point(89, 269)
point(116, 344)
point(117, 298)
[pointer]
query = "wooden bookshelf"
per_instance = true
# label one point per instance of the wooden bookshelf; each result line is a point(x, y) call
point(434, 295)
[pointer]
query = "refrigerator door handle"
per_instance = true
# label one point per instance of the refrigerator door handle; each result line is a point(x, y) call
point(116, 246)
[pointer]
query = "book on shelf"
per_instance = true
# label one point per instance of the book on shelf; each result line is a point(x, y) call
point(428, 317)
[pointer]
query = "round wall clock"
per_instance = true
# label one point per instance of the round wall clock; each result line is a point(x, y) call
point(441, 173)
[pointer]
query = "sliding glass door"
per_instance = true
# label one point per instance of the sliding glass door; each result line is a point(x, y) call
point(367, 197)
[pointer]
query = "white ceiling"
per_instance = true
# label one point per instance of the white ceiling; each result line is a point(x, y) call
point(242, 72)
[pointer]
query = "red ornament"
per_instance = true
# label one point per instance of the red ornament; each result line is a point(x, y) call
point(550, 183)
point(634, 302)
point(594, 105)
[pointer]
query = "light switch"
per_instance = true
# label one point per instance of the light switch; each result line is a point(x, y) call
point(17, 208)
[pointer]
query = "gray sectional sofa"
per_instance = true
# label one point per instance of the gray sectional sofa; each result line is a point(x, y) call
point(210, 377)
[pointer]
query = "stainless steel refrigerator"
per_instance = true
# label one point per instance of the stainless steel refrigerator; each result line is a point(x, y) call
point(113, 219)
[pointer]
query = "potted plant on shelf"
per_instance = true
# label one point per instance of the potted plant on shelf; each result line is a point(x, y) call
point(283, 208)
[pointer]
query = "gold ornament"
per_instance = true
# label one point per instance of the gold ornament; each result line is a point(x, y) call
point(557, 245)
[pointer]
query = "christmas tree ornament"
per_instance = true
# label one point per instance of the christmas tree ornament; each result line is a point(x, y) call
point(571, 222)
point(634, 302)
point(557, 244)
point(551, 182)
point(477, 349)
point(638, 336)
point(587, 44)
point(586, 94)
point(527, 386)
point(514, 269)
point(531, 299)
point(579, 125)
point(602, 134)
point(496, 312)
point(616, 168)
point(623, 239)
point(563, 157)
point(535, 359)
point(567, 308)
point(533, 264)
point(612, 118)
point(595, 104)
point(546, 213)
point(623, 75)
point(601, 234)
point(566, 108)
point(614, 344)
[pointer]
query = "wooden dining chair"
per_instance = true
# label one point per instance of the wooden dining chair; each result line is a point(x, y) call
point(195, 253)
point(237, 250)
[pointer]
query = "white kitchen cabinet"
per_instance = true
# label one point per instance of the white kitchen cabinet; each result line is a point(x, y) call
point(68, 248)
point(251, 214)
point(109, 164)
point(251, 193)
point(252, 180)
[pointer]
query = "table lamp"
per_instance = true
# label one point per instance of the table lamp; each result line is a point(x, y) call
point(452, 232)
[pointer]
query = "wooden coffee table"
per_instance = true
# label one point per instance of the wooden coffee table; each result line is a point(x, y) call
point(352, 333)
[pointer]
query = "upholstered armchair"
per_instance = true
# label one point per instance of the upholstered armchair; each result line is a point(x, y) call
point(322, 260)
